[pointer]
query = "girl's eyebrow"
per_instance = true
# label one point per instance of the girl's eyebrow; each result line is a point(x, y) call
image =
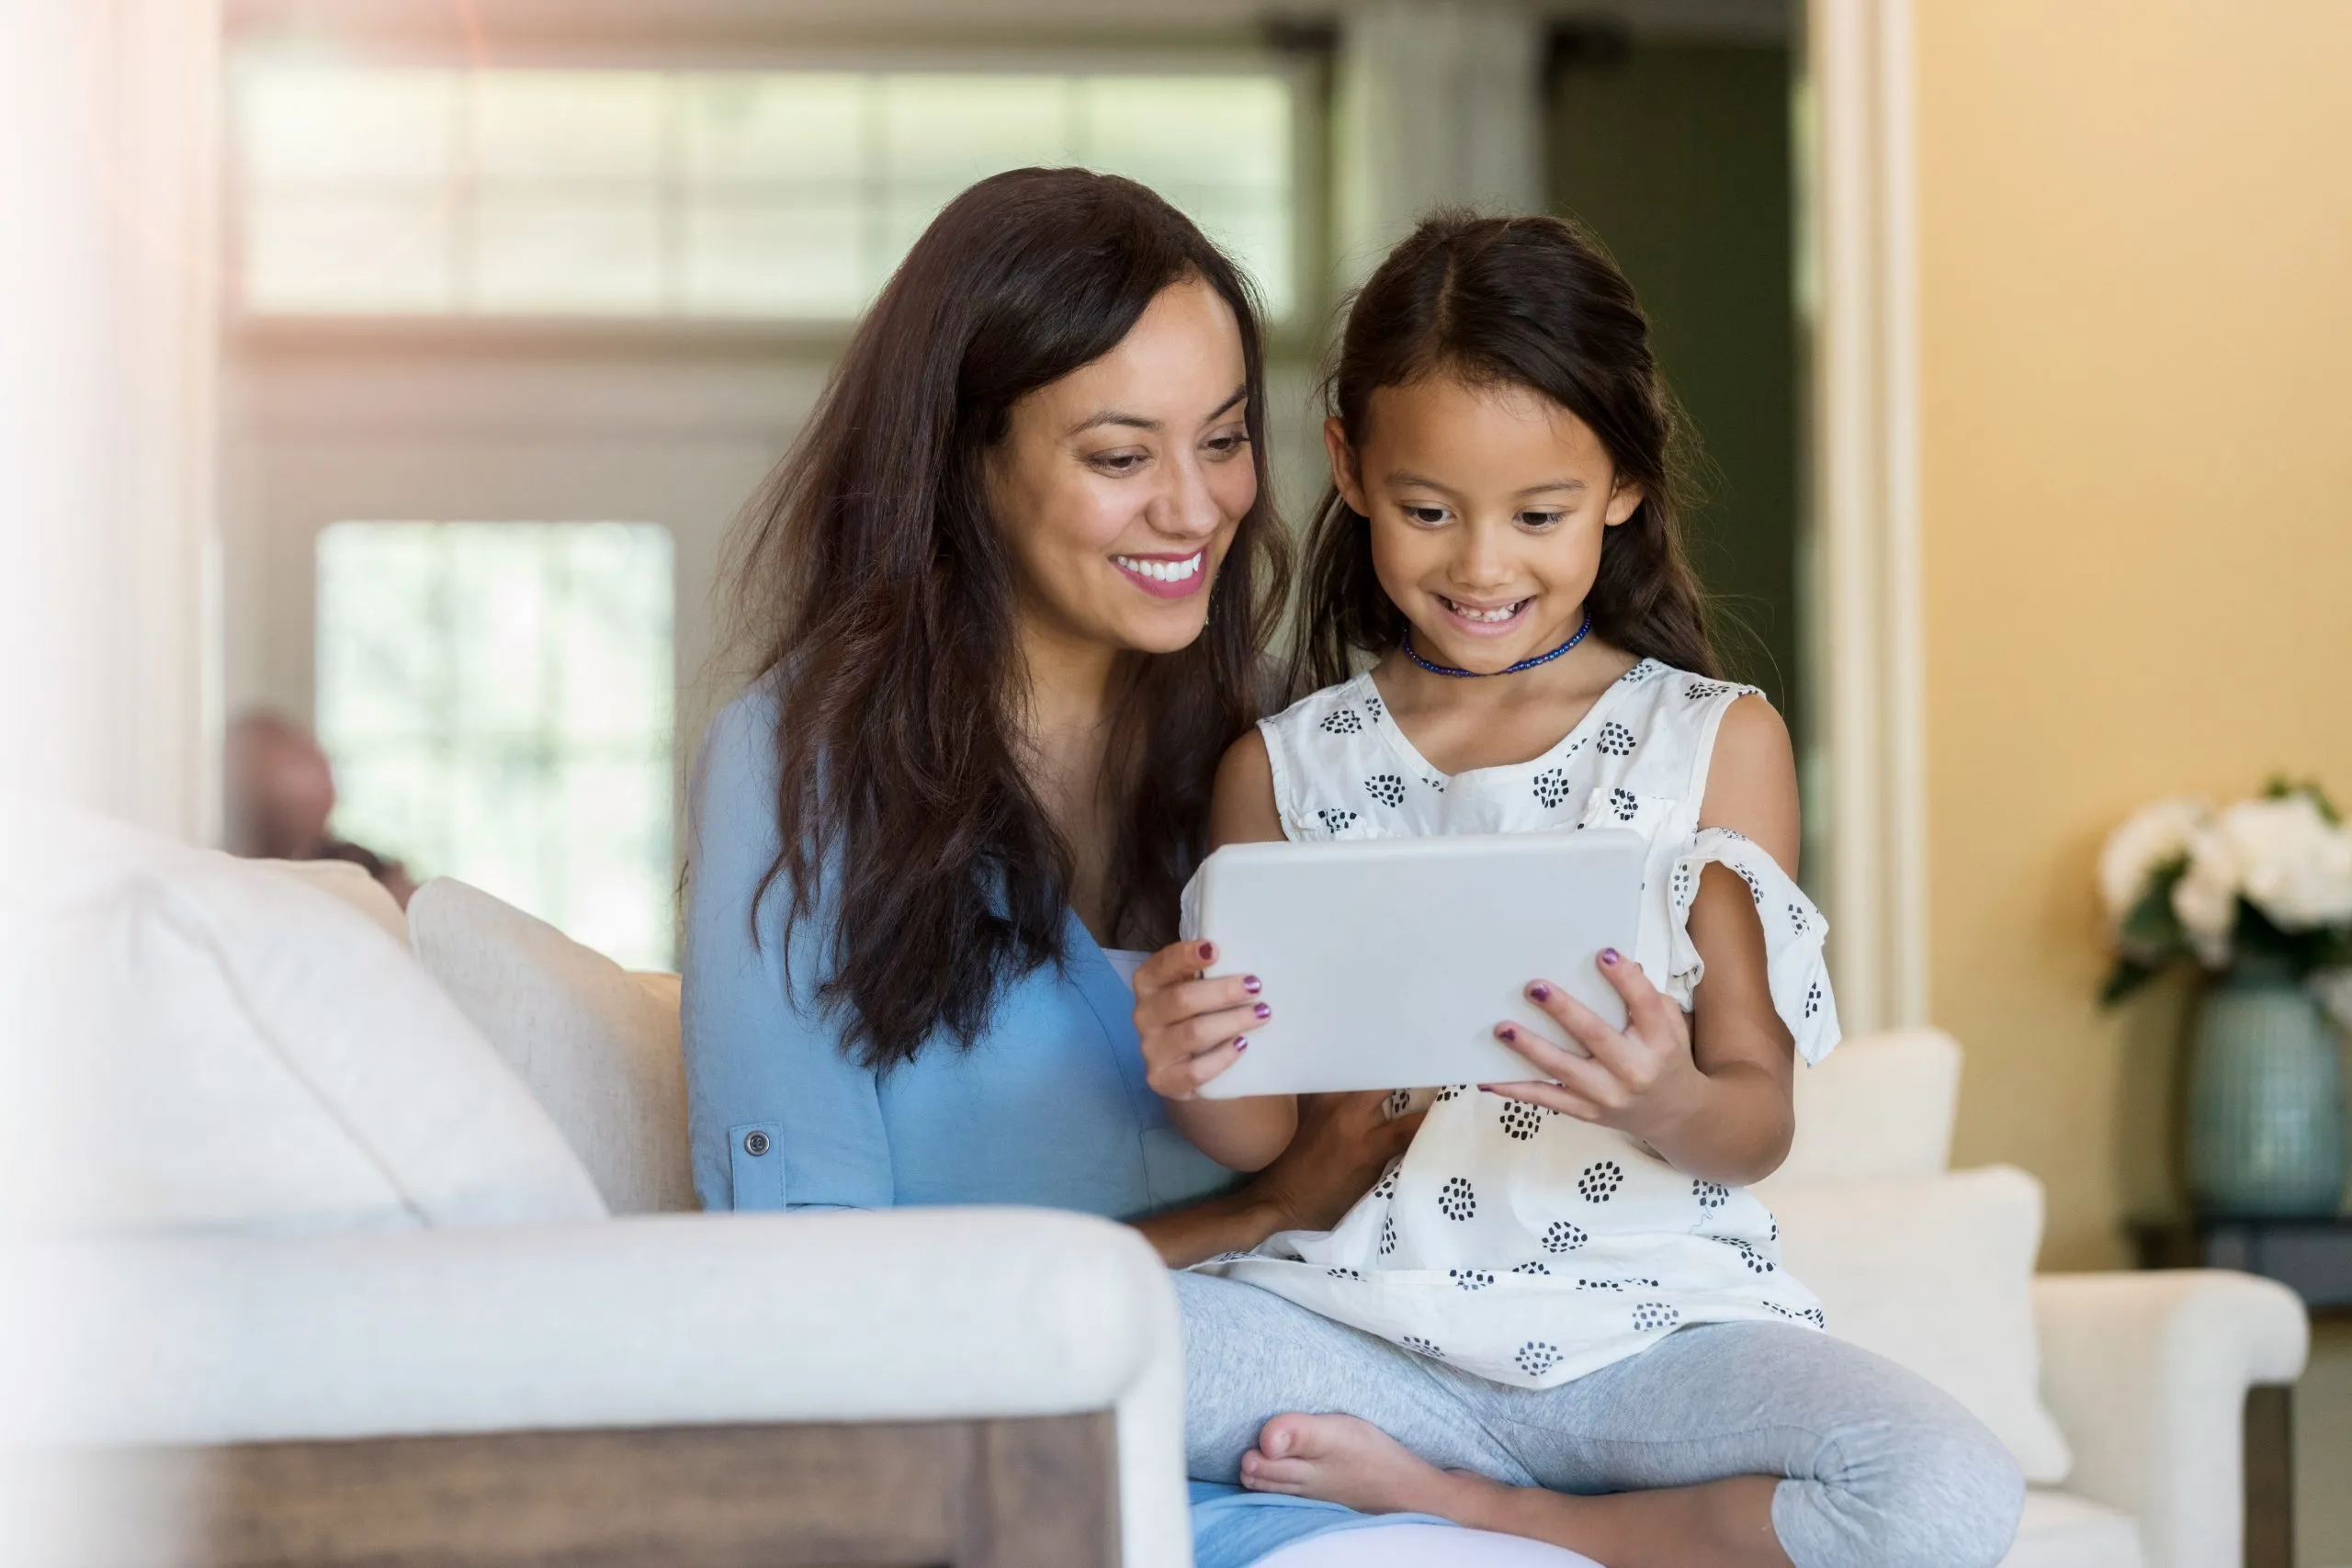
point(1422, 482)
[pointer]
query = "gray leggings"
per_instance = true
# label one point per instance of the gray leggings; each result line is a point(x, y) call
point(1881, 1469)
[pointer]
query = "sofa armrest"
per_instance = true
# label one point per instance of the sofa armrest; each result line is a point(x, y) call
point(2147, 1375)
point(659, 1321)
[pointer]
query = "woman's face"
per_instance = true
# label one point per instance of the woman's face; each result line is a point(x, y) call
point(1488, 506)
point(1120, 485)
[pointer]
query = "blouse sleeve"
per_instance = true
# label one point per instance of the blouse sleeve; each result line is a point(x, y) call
point(778, 1118)
point(1794, 932)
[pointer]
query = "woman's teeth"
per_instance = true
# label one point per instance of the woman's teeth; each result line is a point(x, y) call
point(1500, 613)
point(1162, 570)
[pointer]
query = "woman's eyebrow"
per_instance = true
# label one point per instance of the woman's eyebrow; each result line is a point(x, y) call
point(1144, 422)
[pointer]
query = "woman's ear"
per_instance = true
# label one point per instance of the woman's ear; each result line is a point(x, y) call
point(1624, 499)
point(1344, 477)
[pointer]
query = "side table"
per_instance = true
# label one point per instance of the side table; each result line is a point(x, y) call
point(2312, 1258)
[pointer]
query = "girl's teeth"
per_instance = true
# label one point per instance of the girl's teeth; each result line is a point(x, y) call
point(1162, 570)
point(1503, 613)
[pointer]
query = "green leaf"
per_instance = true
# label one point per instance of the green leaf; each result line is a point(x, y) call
point(2149, 931)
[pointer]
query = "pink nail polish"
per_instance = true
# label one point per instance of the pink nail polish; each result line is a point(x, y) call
point(1609, 956)
point(1251, 984)
point(1208, 951)
point(1241, 1043)
point(1540, 991)
point(1262, 1010)
point(1505, 1032)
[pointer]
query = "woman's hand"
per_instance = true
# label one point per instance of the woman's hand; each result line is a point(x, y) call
point(1641, 1079)
point(1343, 1144)
point(1192, 1028)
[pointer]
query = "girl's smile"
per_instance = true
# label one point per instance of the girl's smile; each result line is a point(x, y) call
point(1473, 618)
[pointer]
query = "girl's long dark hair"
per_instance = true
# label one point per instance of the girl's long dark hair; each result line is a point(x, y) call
point(876, 588)
point(1530, 303)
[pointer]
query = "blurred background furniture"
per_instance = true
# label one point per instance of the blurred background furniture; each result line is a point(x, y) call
point(496, 1353)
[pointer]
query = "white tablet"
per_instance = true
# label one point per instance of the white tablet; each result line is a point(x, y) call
point(1388, 962)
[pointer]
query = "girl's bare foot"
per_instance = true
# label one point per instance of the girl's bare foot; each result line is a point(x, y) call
point(1339, 1459)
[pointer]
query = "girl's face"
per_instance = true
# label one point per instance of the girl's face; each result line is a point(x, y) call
point(1487, 508)
point(1120, 485)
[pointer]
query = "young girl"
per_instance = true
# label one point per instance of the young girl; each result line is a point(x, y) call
point(1563, 1285)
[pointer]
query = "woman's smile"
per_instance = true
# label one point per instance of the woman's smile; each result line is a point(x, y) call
point(1166, 576)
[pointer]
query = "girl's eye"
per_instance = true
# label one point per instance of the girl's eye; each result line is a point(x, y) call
point(1540, 519)
point(1427, 517)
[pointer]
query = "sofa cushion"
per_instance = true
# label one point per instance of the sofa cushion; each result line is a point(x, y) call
point(597, 1044)
point(1936, 1273)
point(265, 1056)
point(2061, 1531)
point(1879, 1105)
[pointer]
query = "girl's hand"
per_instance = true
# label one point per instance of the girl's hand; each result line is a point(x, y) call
point(1192, 1028)
point(1641, 1079)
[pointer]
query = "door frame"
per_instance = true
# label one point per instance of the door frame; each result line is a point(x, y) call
point(1864, 637)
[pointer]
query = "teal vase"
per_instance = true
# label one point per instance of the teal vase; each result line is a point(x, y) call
point(2265, 1117)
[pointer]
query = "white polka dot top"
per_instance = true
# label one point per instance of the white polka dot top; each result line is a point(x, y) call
point(1521, 1245)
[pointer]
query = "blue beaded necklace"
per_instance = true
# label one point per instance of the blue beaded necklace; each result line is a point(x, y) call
point(1524, 664)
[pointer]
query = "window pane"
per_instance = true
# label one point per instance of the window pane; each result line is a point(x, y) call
point(745, 194)
point(585, 255)
point(390, 251)
point(497, 700)
point(801, 128)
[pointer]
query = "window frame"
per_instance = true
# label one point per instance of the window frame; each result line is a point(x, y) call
point(1305, 61)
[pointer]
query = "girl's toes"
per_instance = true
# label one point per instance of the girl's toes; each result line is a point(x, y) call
point(1259, 1474)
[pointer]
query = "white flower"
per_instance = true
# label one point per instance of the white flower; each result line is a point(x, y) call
point(2206, 898)
point(2151, 837)
point(2295, 865)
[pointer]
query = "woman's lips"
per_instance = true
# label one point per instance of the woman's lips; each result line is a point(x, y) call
point(1165, 577)
point(1485, 620)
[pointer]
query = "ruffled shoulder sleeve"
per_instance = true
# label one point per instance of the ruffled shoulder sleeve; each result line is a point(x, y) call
point(1794, 932)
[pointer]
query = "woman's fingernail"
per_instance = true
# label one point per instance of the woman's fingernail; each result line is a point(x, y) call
point(1208, 951)
point(1540, 991)
point(1262, 1011)
point(1505, 1032)
point(1241, 1042)
point(1609, 956)
point(1250, 983)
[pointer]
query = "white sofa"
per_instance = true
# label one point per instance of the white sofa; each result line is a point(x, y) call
point(369, 1259)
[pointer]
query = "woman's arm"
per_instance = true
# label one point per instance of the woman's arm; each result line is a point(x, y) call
point(778, 1118)
point(1193, 1028)
point(1711, 1093)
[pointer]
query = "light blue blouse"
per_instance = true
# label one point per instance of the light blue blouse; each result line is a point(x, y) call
point(1048, 1107)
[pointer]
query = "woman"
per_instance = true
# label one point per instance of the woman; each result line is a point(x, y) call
point(1009, 594)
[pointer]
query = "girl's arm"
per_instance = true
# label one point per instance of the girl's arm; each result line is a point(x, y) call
point(1711, 1093)
point(1193, 1028)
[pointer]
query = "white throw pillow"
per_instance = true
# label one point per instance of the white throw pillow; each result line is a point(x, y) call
point(265, 1056)
point(349, 881)
point(597, 1044)
point(1936, 1273)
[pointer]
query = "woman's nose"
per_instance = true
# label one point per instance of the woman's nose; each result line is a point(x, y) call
point(1186, 508)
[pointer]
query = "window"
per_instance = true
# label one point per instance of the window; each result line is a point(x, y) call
point(720, 194)
point(497, 699)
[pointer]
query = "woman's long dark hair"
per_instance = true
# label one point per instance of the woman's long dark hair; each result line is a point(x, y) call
point(1530, 303)
point(878, 588)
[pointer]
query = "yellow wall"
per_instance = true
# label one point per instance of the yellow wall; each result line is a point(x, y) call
point(2136, 325)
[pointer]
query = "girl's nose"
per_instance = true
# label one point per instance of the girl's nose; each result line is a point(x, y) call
point(1480, 561)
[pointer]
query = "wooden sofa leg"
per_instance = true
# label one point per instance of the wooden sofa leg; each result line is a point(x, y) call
point(2269, 1477)
point(1040, 1492)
